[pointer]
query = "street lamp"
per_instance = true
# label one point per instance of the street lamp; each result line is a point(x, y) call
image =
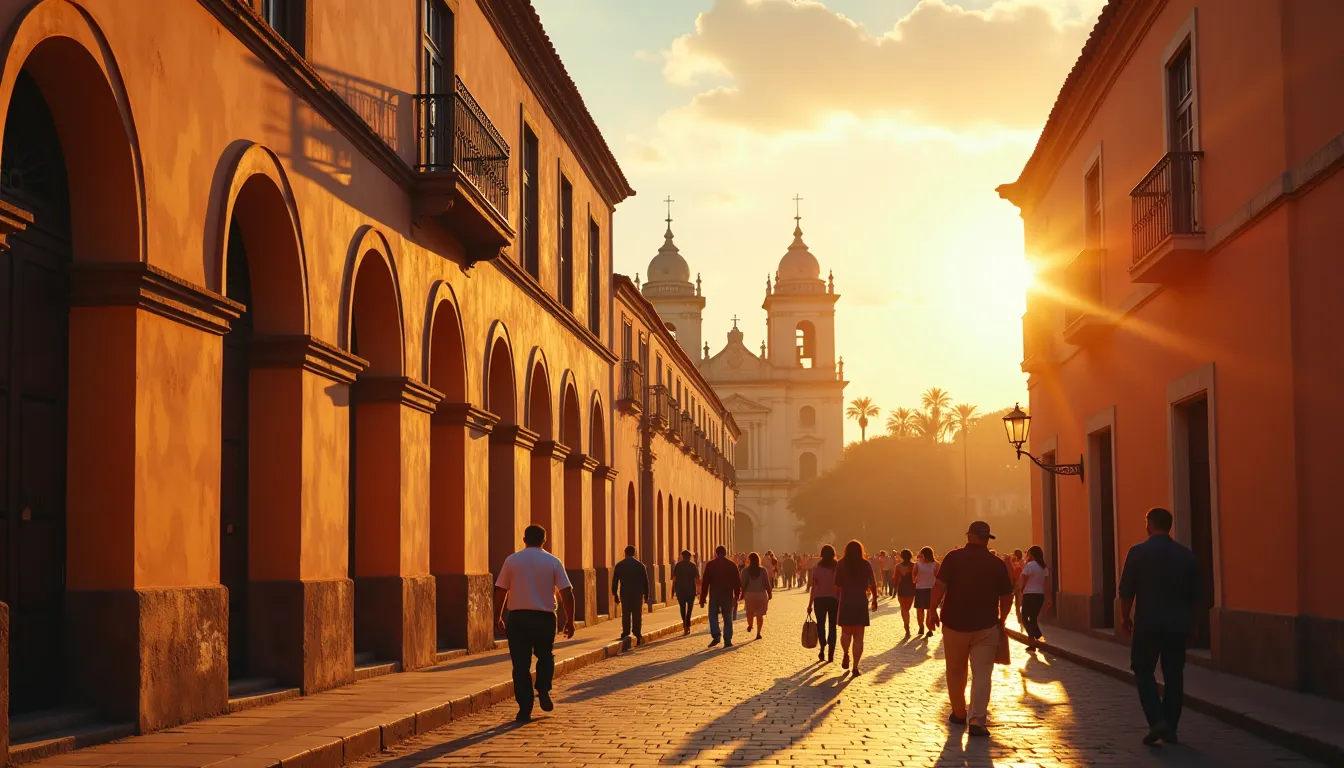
point(1018, 426)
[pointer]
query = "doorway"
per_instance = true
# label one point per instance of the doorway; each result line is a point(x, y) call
point(1102, 501)
point(233, 464)
point(1050, 528)
point(1194, 415)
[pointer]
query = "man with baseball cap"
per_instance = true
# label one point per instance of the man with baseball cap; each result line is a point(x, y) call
point(979, 599)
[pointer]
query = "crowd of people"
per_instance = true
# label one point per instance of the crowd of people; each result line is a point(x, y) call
point(970, 593)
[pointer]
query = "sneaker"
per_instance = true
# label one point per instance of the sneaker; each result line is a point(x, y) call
point(545, 698)
point(978, 729)
point(713, 642)
point(956, 719)
point(1155, 733)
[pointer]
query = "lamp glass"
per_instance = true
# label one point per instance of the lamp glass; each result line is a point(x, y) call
point(1018, 425)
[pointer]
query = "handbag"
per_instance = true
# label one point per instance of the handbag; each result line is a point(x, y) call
point(1001, 654)
point(809, 632)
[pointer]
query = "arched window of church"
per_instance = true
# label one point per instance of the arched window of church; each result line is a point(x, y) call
point(742, 452)
point(807, 416)
point(806, 338)
point(807, 466)
point(672, 329)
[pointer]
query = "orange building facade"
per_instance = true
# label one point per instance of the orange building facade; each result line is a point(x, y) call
point(309, 315)
point(1183, 210)
point(676, 437)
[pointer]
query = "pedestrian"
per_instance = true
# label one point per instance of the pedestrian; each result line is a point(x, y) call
point(722, 586)
point(1033, 593)
point(979, 599)
point(685, 583)
point(824, 598)
point(926, 572)
point(1163, 576)
point(855, 580)
point(525, 589)
point(905, 586)
point(756, 593)
point(790, 566)
point(771, 565)
point(630, 590)
point(884, 563)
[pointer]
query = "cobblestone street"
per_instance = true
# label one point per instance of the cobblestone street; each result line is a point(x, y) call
point(769, 702)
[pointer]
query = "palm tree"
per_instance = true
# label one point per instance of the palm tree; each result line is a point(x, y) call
point(860, 408)
point(935, 401)
point(962, 420)
point(901, 422)
point(925, 424)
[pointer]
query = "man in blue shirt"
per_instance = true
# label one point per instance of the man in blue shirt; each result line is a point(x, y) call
point(1164, 577)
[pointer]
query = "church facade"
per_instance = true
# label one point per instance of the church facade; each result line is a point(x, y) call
point(787, 398)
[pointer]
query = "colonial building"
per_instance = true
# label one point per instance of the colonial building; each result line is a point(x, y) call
point(307, 315)
point(676, 438)
point(1183, 210)
point(788, 401)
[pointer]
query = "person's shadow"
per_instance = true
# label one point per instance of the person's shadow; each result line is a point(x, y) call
point(964, 749)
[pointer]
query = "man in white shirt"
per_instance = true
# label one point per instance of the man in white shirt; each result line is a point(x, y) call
point(525, 592)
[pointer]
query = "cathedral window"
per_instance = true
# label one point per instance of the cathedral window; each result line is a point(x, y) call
point(807, 466)
point(807, 416)
point(806, 339)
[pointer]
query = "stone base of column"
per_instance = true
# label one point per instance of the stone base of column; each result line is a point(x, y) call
point(157, 657)
point(394, 618)
point(584, 581)
point(4, 685)
point(465, 601)
point(603, 591)
point(663, 590)
point(302, 632)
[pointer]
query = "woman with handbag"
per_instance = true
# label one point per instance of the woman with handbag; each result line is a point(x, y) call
point(824, 597)
point(855, 579)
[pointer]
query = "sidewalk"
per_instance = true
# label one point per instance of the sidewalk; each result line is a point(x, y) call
point(1301, 722)
point(332, 728)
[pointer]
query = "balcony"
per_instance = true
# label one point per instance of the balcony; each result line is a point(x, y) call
point(674, 420)
point(658, 410)
point(1168, 224)
point(1085, 317)
point(630, 397)
point(462, 172)
point(1038, 343)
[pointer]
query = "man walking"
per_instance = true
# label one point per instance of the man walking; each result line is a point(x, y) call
point(685, 583)
point(525, 591)
point(1164, 576)
point(979, 599)
point(630, 590)
point(789, 566)
point(722, 584)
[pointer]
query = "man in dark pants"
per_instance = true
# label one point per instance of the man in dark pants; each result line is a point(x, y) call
point(1164, 577)
point(722, 584)
point(630, 590)
point(525, 591)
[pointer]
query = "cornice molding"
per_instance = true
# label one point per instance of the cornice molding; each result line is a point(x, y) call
point(467, 415)
point(514, 434)
point(532, 288)
point(551, 448)
point(306, 352)
point(581, 461)
point(397, 389)
point(604, 472)
point(137, 284)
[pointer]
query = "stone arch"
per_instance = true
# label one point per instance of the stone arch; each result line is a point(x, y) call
point(445, 363)
point(501, 398)
point(807, 466)
point(500, 393)
point(571, 417)
point(539, 414)
point(746, 529)
point(631, 516)
point(372, 301)
point(597, 429)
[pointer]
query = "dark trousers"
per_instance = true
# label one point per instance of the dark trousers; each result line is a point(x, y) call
point(531, 633)
point(632, 615)
point(1148, 649)
point(686, 603)
point(827, 609)
point(1031, 614)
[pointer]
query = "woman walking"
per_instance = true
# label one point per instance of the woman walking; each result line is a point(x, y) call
point(855, 579)
point(823, 597)
point(905, 586)
point(1033, 593)
point(756, 592)
point(925, 573)
point(685, 585)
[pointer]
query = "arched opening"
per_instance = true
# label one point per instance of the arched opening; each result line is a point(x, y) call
point(807, 417)
point(744, 534)
point(540, 420)
point(374, 528)
point(631, 517)
point(679, 537)
point(805, 338)
point(448, 444)
point(571, 436)
point(501, 401)
point(807, 466)
point(661, 534)
point(671, 328)
point(601, 525)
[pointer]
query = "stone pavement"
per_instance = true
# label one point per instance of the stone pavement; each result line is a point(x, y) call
point(337, 727)
point(771, 703)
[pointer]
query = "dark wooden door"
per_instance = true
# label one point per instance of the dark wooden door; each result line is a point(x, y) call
point(34, 366)
point(1201, 513)
point(233, 482)
point(1106, 511)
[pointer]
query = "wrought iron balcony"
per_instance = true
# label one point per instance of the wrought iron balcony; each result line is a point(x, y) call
point(631, 387)
point(463, 166)
point(1084, 315)
point(1168, 225)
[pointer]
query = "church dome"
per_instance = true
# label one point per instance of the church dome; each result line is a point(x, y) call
point(798, 263)
point(668, 266)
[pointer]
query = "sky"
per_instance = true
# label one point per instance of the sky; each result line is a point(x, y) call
point(894, 120)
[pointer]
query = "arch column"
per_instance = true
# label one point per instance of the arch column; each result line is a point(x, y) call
point(578, 527)
point(300, 601)
point(548, 506)
point(510, 492)
point(394, 591)
point(604, 533)
point(460, 513)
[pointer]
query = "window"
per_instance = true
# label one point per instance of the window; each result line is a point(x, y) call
point(566, 244)
point(658, 379)
point(595, 278)
point(530, 223)
point(671, 328)
point(1092, 199)
point(806, 339)
point(287, 18)
point(807, 466)
point(436, 74)
point(807, 416)
point(627, 334)
point(1181, 97)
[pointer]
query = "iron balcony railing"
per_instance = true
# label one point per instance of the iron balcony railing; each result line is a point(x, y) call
point(1166, 202)
point(632, 383)
point(1082, 283)
point(454, 133)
